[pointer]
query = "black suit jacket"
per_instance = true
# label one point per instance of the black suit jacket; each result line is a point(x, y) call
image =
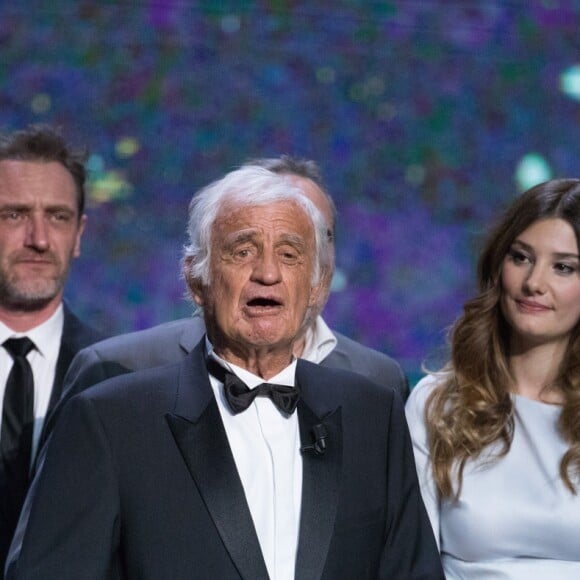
point(171, 341)
point(139, 482)
point(75, 336)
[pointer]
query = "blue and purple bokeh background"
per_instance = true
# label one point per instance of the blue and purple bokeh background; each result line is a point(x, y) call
point(427, 117)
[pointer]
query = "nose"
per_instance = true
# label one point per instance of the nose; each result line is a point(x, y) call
point(37, 233)
point(267, 269)
point(535, 282)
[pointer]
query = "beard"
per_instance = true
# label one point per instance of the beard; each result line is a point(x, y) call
point(31, 292)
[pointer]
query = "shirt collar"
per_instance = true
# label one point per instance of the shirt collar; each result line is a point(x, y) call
point(44, 335)
point(319, 341)
point(286, 376)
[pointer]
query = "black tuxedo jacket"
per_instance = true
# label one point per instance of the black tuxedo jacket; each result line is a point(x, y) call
point(171, 341)
point(139, 482)
point(75, 336)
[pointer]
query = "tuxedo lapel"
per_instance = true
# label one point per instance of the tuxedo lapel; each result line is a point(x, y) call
point(321, 475)
point(200, 435)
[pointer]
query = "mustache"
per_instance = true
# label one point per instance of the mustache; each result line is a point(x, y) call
point(35, 256)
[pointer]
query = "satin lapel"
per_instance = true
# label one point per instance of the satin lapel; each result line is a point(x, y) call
point(320, 479)
point(199, 433)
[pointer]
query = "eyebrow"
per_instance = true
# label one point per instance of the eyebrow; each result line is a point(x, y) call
point(240, 237)
point(294, 239)
point(14, 206)
point(27, 207)
point(559, 255)
point(251, 235)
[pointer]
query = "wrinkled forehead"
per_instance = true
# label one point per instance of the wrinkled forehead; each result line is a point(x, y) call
point(283, 222)
point(288, 213)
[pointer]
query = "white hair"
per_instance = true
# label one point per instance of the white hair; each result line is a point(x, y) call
point(249, 186)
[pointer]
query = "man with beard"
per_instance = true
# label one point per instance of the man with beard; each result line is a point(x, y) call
point(41, 223)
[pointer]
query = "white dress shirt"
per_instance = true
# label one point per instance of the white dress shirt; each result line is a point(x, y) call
point(266, 449)
point(42, 359)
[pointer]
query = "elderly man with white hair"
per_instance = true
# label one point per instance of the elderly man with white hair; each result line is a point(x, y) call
point(240, 460)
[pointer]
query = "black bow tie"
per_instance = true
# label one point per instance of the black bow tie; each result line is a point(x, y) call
point(239, 396)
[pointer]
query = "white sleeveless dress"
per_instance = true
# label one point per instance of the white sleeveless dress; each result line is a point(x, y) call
point(515, 519)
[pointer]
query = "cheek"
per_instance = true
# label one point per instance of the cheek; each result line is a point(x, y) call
point(508, 279)
point(67, 244)
point(225, 291)
point(572, 298)
point(304, 291)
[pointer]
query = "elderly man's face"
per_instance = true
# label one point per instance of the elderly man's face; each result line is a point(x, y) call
point(260, 276)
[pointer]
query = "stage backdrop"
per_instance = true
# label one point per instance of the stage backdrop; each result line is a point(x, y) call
point(426, 116)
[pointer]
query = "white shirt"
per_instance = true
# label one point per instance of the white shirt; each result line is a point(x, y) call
point(42, 359)
point(266, 449)
point(319, 342)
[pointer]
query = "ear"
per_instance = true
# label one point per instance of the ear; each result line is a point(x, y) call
point(194, 284)
point(320, 292)
point(79, 234)
point(195, 287)
point(316, 292)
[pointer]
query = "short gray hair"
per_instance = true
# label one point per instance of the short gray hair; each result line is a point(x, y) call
point(298, 167)
point(248, 186)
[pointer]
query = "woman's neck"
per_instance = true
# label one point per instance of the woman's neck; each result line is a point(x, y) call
point(535, 371)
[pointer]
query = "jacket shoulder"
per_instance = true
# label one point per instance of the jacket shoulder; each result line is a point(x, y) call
point(376, 366)
point(78, 333)
point(154, 346)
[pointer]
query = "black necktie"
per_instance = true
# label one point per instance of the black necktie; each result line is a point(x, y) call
point(18, 413)
point(239, 396)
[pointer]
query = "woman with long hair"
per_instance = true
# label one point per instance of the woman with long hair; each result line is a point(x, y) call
point(496, 432)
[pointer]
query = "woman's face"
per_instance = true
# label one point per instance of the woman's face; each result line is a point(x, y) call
point(540, 280)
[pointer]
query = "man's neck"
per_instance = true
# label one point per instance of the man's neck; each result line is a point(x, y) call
point(262, 362)
point(299, 345)
point(22, 320)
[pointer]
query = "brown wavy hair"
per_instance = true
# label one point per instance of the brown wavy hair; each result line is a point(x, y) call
point(472, 407)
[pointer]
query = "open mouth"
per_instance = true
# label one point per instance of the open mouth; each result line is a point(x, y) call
point(263, 303)
point(263, 306)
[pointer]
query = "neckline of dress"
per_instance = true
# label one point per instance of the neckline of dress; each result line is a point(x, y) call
point(535, 402)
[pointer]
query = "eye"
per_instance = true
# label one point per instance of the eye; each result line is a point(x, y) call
point(242, 254)
point(11, 215)
point(289, 255)
point(518, 257)
point(565, 269)
point(60, 216)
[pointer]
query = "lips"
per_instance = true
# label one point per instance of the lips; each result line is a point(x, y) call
point(263, 305)
point(34, 261)
point(35, 265)
point(531, 306)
